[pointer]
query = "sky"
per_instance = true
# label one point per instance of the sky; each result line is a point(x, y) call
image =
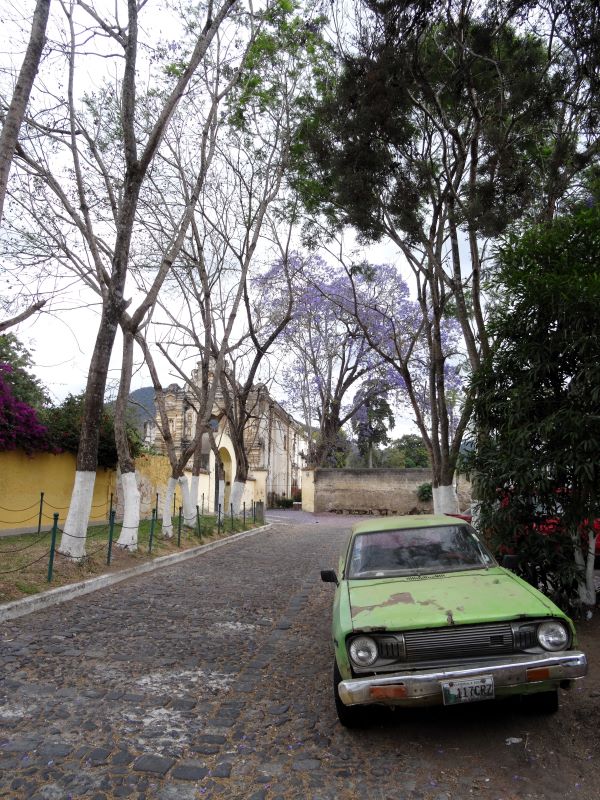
point(61, 337)
point(61, 342)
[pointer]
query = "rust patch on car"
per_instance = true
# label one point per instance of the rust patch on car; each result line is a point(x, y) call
point(431, 603)
point(394, 599)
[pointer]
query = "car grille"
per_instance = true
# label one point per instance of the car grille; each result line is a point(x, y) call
point(459, 641)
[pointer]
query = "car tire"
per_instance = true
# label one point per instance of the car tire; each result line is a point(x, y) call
point(542, 702)
point(349, 716)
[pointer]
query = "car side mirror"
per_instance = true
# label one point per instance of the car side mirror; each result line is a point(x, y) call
point(329, 576)
point(510, 561)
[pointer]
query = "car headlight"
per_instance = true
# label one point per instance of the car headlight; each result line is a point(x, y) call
point(553, 635)
point(363, 651)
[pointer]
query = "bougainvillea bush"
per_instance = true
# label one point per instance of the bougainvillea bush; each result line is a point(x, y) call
point(20, 427)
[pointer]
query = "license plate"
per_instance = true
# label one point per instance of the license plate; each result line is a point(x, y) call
point(468, 690)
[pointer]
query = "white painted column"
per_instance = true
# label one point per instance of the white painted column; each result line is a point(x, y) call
point(131, 512)
point(221, 498)
point(189, 509)
point(194, 490)
point(445, 500)
point(72, 543)
point(167, 522)
point(237, 492)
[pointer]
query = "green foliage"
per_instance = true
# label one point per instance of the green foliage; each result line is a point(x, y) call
point(337, 449)
point(25, 387)
point(425, 492)
point(369, 152)
point(371, 422)
point(537, 450)
point(64, 425)
point(407, 452)
point(281, 65)
point(284, 502)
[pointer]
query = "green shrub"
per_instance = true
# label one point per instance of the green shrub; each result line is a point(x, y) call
point(424, 492)
point(285, 502)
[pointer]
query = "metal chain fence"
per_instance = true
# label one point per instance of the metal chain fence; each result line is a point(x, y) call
point(206, 524)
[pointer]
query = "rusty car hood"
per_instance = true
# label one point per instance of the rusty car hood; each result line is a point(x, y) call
point(431, 601)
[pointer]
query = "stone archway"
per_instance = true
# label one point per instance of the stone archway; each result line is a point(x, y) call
point(228, 468)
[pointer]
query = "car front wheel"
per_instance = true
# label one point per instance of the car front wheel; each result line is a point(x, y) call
point(349, 716)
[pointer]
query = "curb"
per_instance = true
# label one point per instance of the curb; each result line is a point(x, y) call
point(27, 605)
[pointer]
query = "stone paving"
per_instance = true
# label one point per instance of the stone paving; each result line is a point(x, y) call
point(212, 679)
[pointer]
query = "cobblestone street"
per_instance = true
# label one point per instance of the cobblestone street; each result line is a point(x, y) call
point(212, 679)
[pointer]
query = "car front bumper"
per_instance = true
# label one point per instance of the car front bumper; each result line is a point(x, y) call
point(512, 674)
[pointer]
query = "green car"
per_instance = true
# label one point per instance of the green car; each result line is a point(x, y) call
point(424, 615)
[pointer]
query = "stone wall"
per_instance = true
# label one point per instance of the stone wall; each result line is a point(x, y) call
point(367, 491)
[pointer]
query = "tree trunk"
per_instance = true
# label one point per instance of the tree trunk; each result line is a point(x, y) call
point(72, 542)
point(189, 507)
point(131, 495)
point(587, 588)
point(18, 104)
point(219, 510)
point(167, 520)
point(237, 492)
point(445, 500)
point(131, 512)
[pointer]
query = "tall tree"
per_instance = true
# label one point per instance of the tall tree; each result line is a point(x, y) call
point(15, 111)
point(537, 398)
point(423, 357)
point(13, 119)
point(88, 216)
point(329, 357)
point(239, 223)
point(372, 421)
point(447, 123)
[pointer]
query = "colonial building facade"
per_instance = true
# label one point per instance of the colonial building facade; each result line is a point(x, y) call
point(276, 444)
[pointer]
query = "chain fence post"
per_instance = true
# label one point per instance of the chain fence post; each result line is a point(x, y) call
point(40, 514)
point(202, 504)
point(219, 520)
point(111, 506)
point(52, 547)
point(244, 512)
point(198, 528)
point(231, 512)
point(156, 506)
point(254, 512)
point(152, 521)
point(179, 527)
point(111, 530)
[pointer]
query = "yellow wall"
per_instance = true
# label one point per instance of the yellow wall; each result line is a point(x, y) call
point(152, 473)
point(308, 490)
point(23, 478)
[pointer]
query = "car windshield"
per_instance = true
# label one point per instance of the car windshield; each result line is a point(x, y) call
point(417, 551)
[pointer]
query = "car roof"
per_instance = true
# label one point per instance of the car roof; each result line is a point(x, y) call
point(403, 523)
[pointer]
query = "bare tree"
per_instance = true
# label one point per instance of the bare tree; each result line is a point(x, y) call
point(13, 113)
point(89, 214)
point(229, 234)
point(265, 322)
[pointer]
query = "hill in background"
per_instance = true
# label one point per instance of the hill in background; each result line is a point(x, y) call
point(141, 407)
